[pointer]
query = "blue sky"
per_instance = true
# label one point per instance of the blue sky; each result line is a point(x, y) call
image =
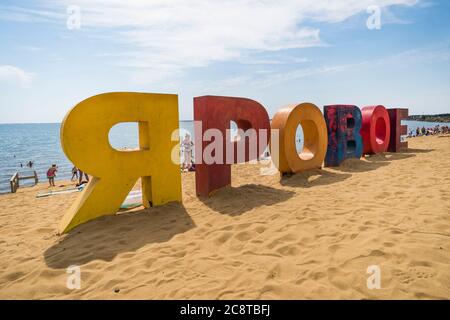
point(275, 52)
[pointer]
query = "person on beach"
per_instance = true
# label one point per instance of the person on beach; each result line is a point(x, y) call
point(437, 129)
point(30, 164)
point(51, 174)
point(74, 174)
point(186, 149)
point(80, 177)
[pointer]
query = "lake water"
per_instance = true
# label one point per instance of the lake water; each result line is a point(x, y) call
point(39, 143)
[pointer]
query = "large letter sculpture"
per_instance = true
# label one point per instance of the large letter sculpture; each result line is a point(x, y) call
point(397, 129)
point(286, 120)
point(344, 138)
point(375, 129)
point(215, 114)
point(84, 139)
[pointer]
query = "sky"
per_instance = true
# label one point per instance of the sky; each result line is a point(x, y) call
point(54, 54)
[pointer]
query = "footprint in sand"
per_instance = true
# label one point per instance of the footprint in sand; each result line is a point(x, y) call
point(288, 250)
point(421, 269)
point(333, 248)
point(424, 274)
point(414, 273)
point(260, 229)
point(14, 276)
point(274, 272)
point(388, 244)
point(404, 277)
point(244, 236)
point(382, 195)
point(221, 239)
point(396, 231)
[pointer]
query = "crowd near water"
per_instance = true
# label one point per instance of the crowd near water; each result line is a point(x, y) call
point(437, 129)
point(25, 148)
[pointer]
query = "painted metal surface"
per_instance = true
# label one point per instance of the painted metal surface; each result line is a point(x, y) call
point(286, 120)
point(215, 112)
point(84, 139)
point(376, 129)
point(344, 138)
point(397, 129)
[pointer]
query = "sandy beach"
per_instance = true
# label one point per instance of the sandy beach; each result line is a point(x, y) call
point(309, 236)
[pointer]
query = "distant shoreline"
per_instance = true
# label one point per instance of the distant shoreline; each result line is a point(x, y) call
point(444, 117)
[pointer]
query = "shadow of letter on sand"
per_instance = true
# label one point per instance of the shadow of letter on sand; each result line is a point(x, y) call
point(106, 237)
point(238, 200)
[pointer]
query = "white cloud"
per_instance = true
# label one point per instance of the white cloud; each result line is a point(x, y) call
point(19, 14)
point(282, 77)
point(167, 36)
point(31, 48)
point(267, 78)
point(13, 75)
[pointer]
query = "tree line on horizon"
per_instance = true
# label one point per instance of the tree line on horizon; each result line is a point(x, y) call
point(443, 117)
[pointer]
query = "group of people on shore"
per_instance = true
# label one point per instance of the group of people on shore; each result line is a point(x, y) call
point(429, 131)
point(77, 174)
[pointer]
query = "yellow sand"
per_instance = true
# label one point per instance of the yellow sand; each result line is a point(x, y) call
point(312, 235)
